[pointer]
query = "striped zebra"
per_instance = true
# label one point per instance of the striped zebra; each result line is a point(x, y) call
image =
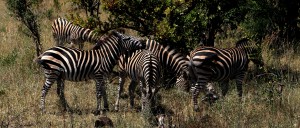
point(171, 60)
point(168, 58)
point(207, 64)
point(142, 67)
point(65, 31)
point(61, 63)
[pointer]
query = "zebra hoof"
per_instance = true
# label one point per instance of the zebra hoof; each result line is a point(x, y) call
point(116, 109)
point(96, 112)
point(196, 109)
point(43, 112)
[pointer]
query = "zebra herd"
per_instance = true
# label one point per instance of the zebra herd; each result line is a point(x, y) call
point(141, 60)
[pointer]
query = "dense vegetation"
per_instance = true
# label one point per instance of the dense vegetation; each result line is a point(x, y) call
point(274, 24)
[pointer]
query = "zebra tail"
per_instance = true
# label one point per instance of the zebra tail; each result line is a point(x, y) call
point(41, 62)
point(37, 59)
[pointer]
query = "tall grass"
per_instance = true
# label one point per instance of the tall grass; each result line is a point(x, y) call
point(21, 83)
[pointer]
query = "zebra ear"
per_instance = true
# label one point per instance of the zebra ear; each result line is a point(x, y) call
point(116, 33)
point(242, 42)
point(119, 35)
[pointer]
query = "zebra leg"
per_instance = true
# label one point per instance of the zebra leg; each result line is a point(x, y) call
point(60, 93)
point(239, 87)
point(146, 100)
point(224, 88)
point(196, 91)
point(120, 90)
point(50, 79)
point(132, 87)
point(103, 89)
point(99, 93)
point(239, 83)
point(143, 92)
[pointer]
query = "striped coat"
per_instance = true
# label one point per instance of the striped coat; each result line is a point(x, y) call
point(61, 63)
point(66, 32)
point(208, 64)
point(142, 67)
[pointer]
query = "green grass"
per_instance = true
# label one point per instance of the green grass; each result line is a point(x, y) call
point(21, 82)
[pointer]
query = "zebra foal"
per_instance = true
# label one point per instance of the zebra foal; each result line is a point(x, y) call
point(207, 64)
point(64, 31)
point(61, 63)
point(144, 68)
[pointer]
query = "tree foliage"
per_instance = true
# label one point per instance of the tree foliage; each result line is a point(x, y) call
point(23, 11)
point(273, 16)
point(184, 23)
point(181, 24)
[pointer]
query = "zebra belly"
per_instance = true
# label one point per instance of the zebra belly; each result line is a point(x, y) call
point(224, 76)
point(78, 76)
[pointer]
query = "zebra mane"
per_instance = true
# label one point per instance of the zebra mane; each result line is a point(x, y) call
point(98, 44)
point(64, 19)
point(102, 40)
point(252, 49)
point(243, 42)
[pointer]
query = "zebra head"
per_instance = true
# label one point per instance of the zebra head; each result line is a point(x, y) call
point(211, 95)
point(129, 42)
point(183, 81)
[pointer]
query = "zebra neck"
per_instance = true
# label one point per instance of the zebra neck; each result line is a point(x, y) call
point(90, 35)
point(168, 57)
point(110, 51)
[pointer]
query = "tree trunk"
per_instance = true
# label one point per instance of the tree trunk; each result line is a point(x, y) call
point(38, 46)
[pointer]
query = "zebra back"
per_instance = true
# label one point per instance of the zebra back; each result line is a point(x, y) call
point(65, 31)
point(141, 64)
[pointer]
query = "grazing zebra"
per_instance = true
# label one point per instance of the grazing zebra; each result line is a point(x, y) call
point(168, 58)
point(171, 60)
point(208, 64)
point(61, 63)
point(65, 31)
point(142, 67)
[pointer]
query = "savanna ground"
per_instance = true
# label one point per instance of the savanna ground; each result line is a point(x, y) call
point(21, 82)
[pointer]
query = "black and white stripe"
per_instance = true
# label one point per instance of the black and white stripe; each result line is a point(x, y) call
point(65, 31)
point(61, 63)
point(172, 61)
point(168, 58)
point(142, 67)
point(209, 64)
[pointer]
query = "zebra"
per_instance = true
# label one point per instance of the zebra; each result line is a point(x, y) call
point(171, 60)
point(65, 31)
point(207, 64)
point(142, 67)
point(62, 63)
point(168, 59)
